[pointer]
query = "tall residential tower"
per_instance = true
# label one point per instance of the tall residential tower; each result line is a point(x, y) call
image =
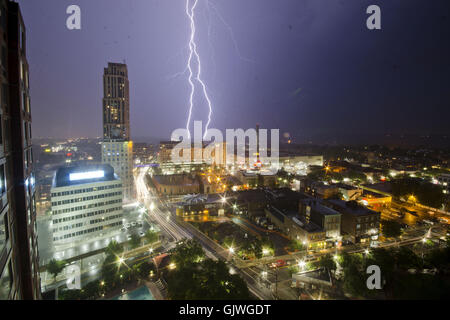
point(19, 257)
point(117, 148)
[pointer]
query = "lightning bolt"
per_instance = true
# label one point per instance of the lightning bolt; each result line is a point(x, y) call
point(193, 55)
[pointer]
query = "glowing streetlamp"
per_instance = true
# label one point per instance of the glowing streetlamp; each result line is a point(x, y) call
point(301, 264)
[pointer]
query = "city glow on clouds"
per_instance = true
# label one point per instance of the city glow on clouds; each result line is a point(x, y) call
point(86, 175)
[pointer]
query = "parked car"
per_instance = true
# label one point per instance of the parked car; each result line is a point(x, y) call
point(280, 263)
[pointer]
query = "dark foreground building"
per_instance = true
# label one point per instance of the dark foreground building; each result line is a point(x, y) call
point(19, 268)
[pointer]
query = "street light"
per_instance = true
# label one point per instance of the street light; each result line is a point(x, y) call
point(301, 264)
point(231, 249)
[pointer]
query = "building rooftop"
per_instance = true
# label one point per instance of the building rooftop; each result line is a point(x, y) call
point(317, 206)
point(351, 207)
point(346, 186)
point(174, 180)
point(83, 174)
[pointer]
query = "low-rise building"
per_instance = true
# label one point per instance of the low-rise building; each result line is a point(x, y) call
point(201, 204)
point(176, 184)
point(297, 228)
point(359, 223)
point(256, 178)
point(349, 192)
point(328, 219)
point(375, 200)
point(321, 190)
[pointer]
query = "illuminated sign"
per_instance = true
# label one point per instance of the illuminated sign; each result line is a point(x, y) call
point(86, 175)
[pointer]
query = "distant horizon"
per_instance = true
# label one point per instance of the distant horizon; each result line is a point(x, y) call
point(408, 140)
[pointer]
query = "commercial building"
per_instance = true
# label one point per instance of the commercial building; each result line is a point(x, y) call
point(298, 164)
point(119, 155)
point(175, 184)
point(86, 203)
point(117, 148)
point(359, 223)
point(326, 218)
point(210, 153)
point(297, 228)
point(142, 153)
point(19, 267)
point(349, 192)
point(201, 204)
point(257, 178)
point(320, 189)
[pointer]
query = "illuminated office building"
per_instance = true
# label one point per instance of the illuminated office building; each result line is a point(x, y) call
point(86, 203)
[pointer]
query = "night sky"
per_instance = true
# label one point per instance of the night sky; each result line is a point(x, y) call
point(304, 66)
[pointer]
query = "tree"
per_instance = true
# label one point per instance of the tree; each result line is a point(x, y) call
point(186, 252)
point(209, 279)
point(114, 248)
point(391, 229)
point(295, 245)
point(55, 267)
point(426, 193)
point(151, 236)
point(327, 262)
point(135, 241)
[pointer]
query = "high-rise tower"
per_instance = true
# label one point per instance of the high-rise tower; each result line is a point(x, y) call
point(116, 102)
point(117, 148)
point(19, 257)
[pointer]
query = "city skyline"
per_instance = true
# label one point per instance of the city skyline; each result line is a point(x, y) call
point(314, 89)
point(331, 182)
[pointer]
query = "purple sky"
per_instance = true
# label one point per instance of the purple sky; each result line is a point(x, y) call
point(304, 66)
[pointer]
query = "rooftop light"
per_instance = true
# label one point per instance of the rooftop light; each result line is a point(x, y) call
point(86, 175)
